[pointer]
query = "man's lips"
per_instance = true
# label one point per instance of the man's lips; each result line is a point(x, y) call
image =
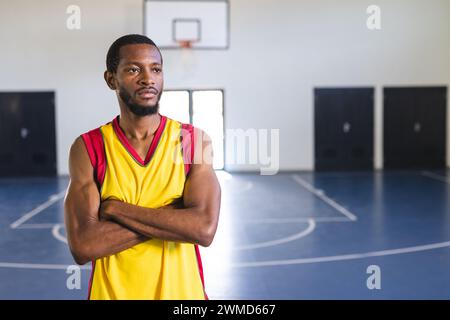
point(147, 92)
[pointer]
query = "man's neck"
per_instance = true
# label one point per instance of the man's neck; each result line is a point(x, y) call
point(137, 127)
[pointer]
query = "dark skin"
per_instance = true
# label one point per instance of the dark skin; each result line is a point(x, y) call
point(97, 229)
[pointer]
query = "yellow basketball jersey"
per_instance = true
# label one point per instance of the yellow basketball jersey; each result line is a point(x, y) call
point(155, 269)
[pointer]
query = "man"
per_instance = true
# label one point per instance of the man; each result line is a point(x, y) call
point(143, 194)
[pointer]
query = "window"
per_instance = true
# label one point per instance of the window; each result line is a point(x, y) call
point(175, 105)
point(203, 109)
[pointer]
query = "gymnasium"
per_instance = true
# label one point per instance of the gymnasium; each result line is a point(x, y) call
point(329, 124)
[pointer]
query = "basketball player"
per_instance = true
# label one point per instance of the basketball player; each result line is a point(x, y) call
point(143, 194)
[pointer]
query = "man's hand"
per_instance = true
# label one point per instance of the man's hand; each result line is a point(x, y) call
point(107, 209)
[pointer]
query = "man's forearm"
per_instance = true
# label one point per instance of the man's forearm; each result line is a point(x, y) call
point(151, 231)
point(104, 238)
point(166, 223)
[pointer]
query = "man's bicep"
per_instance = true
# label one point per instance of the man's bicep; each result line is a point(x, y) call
point(202, 195)
point(81, 204)
point(202, 189)
point(83, 199)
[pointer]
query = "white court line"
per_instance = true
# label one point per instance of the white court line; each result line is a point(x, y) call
point(342, 257)
point(435, 176)
point(224, 177)
point(303, 233)
point(27, 216)
point(40, 266)
point(56, 228)
point(58, 236)
point(297, 220)
point(321, 195)
point(354, 256)
point(248, 185)
point(36, 226)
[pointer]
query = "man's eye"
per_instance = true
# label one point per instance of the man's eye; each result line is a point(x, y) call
point(133, 70)
point(157, 70)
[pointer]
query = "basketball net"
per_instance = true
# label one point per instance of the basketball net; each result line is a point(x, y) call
point(187, 55)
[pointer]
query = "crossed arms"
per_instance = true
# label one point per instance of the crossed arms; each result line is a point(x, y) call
point(98, 229)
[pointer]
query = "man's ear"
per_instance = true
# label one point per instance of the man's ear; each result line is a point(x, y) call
point(110, 81)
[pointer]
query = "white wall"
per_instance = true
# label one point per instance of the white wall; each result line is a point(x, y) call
point(279, 51)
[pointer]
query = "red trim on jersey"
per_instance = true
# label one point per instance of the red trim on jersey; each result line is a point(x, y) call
point(123, 139)
point(192, 145)
point(90, 280)
point(200, 269)
point(187, 144)
point(188, 147)
point(93, 141)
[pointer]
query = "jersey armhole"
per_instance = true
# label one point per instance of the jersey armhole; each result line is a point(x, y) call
point(93, 141)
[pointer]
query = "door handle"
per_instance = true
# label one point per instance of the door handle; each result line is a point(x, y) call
point(24, 133)
point(346, 127)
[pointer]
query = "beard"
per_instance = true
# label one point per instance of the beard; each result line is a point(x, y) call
point(135, 107)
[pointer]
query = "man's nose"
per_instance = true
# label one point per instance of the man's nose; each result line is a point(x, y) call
point(146, 78)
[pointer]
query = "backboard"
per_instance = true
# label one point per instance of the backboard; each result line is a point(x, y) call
point(172, 23)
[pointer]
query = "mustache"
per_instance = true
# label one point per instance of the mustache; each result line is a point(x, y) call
point(148, 89)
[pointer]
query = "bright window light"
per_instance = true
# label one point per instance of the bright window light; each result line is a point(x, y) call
point(175, 105)
point(208, 116)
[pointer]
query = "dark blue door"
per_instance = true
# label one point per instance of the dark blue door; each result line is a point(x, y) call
point(343, 121)
point(414, 127)
point(27, 134)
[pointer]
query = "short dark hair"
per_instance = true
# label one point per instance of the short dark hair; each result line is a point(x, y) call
point(113, 55)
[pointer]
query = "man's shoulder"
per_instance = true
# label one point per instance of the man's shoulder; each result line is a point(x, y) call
point(95, 131)
point(93, 143)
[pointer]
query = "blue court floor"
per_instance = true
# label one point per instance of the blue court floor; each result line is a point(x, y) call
point(293, 235)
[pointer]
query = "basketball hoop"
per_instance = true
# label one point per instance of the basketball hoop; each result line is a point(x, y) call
point(185, 44)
